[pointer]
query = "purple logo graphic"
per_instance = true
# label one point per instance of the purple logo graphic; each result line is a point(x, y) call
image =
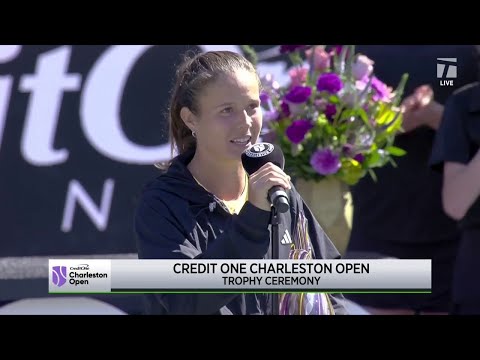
point(59, 275)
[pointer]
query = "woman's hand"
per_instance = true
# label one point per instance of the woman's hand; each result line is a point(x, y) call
point(262, 181)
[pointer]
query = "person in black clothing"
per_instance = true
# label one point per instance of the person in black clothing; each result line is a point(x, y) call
point(205, 206)
point(401, 214)
point(456, 152)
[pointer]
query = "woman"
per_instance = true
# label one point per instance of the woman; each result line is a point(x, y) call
point(456, 150)
point(205, 205)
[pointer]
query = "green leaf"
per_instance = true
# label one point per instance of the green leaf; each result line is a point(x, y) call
point(400, 89)
point(386, 116)
point(394, 164)
point(373, 159)
point(334, 99)
point(364, 117)
point(295, 58)
point(396, 151)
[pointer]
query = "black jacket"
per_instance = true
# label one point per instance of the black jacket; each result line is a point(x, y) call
point(178, 219)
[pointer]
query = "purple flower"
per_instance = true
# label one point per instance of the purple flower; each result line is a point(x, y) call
point(330, 111)
point(298, 94)
point(285, 108)
point(382, 92)
point(338, 49)
point(359, 158)
point(297, 130)
point(264, 97)
point(285, 49)
point(330, 82)
point(347, 149)
point(325, 162)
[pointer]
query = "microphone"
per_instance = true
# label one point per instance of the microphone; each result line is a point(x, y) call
point(258, 155)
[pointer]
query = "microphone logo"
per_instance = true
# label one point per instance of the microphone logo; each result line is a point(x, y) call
point(259, 150)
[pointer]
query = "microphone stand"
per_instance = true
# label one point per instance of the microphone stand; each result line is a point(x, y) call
point(275, 255)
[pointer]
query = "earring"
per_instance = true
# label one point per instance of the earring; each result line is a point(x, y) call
point(193, 134)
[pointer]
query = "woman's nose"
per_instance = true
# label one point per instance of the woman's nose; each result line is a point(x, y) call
point(246, 118)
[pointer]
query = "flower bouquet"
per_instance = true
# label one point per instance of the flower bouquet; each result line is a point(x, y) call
point(335, 118)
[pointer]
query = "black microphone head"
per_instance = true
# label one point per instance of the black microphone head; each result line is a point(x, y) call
point(261, 153)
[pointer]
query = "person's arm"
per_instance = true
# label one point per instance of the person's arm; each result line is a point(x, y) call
point(159, 237)
point(461, 186)
point(451, 155)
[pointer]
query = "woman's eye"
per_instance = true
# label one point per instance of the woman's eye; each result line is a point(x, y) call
point(252, 109)
point(254, 106)
point(227, 110)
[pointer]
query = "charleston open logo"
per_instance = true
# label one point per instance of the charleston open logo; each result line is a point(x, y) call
point(77, 275)
point(259, 150)
point(59, 275)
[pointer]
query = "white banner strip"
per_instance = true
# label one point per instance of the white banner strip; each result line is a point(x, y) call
point(195, 275)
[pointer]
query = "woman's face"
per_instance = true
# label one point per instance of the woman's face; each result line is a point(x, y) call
point(229, 119)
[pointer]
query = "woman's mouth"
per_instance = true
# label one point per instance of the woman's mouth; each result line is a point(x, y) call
point(242, 140)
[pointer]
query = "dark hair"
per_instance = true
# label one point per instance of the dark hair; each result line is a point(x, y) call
point(192, 76)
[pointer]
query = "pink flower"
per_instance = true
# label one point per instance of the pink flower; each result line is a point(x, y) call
point(298, 76)
point(361, 84)
point(321, 59)
point(362, 67)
